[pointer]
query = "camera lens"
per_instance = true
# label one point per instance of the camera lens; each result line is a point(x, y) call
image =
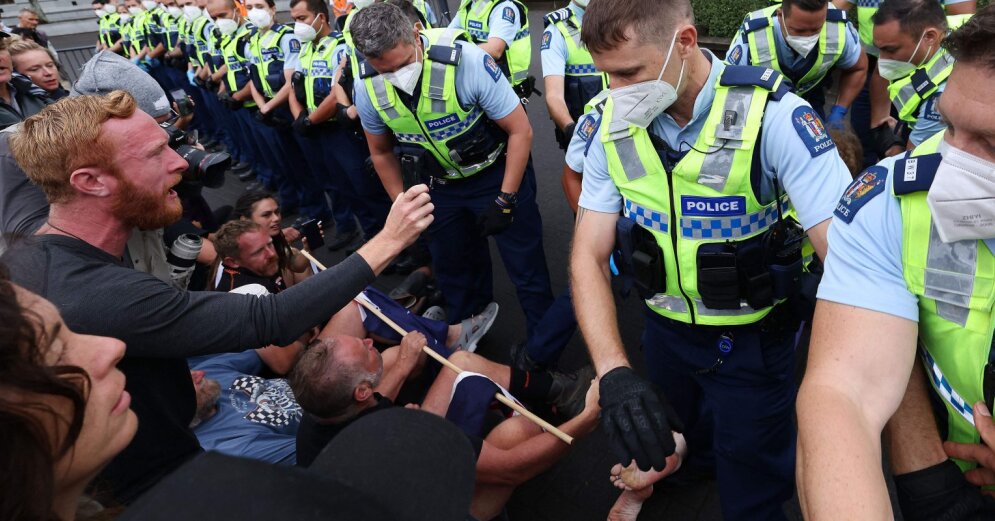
point(207, 168)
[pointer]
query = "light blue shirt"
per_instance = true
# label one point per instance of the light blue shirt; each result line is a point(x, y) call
point(553, 48)
point(808, 169)
point(290, 52)
point(577, 149)
point(503, 22)
point(928, 121)
point(479, 82)
point(793, 64)
point(864, 265)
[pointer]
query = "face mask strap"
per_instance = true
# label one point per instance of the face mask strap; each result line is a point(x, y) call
point(670, 52)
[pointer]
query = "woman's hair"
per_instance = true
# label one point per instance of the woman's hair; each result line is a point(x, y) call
point(30, 451)
point(850, 149)
point(243, 210)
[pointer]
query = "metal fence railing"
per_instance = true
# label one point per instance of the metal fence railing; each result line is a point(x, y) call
point(72, 59)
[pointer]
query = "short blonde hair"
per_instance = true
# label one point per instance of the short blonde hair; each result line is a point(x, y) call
point(20, 46)
point(65, 137)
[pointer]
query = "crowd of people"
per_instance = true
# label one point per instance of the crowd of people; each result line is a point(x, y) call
point(833, 174)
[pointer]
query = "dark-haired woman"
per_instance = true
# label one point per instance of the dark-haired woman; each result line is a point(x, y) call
point(63, 408)
point(264, 209)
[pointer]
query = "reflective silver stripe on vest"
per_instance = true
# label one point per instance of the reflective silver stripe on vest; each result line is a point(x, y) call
point(833, 45)
point(731, 227)
point(765, 47)
point(437, 76)
point(949, 277)
point(668, 302)
point(717, 165)
point(647, 217)
point(908, 92)
point(625, 149)
point(744, 309)
point(946, 390)
point(383, 101)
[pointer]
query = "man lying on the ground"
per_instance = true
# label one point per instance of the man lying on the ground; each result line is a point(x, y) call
point(342, 378)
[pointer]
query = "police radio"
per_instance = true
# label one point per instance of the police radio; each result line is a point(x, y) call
point(782, 249)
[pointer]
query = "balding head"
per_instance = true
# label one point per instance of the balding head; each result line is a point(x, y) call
point(335, 378)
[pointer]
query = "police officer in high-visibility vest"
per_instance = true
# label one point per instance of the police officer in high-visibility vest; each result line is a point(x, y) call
point(709, 165)
point(274, 52)
point(805, 40)
point(108, 25)
point(167, 46)
point(137, 30)
point(872, 108)
point(501, 28)
point(911, 271)
point(909, 36)
point(460, 127)
point(316, 109)
point(125, 24)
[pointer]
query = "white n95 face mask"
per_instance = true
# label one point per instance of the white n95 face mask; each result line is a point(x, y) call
point(191, 12)
point(149, 4)
point(362, 4)
point(174, 11)
point(110, 8)
point(582, 3)
point(801, 44)
point(100, 13)
point(226, 26)
point(893, 70)
point(260, 18)
point(639, 104)
point(125, 18)
point(405, 78)
point(305, 32)
point(962, 196)
point(135, 10)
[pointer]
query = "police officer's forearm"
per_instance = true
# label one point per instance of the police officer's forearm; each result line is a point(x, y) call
point(326, 110)
point(385, 162)
point(817, 236)
point(295, 106)
point(220, 73)
point(519, 147)
point(158, 51)
point(254, 95)
point(555, 102)
point(852, 81)
point(495, 47)
point(280, 97)
point(880, 101)
point(117, 46)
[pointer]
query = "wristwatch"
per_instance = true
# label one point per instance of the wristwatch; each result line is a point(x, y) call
point(509, 197)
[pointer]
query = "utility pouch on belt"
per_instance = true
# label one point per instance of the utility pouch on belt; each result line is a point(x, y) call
point(412, 169)
point(782, 245)
point(297, 80)
point(639, 259)
point(526, 89)
point(718, 275)
point(475, 146)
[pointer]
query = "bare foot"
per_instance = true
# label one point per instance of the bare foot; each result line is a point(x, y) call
point(637, 485)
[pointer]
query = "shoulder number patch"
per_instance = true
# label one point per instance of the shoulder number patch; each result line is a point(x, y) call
point(508, 14)
point(864, 188)
point(547, 37)
point(812, 132)
point(492, 67)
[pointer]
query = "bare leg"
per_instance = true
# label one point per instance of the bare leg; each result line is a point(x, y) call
point(488, 500)
point(437, 399)
point(637, 486)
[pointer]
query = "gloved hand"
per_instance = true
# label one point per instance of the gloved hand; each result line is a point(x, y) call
point(563, 138)
point(837, 117)
point(153, 62)
point(191, 77)
point(347, 123)
point(136, 60)
point(229, 102)
point(637, 419)
point(302, 125)
point(496, 219)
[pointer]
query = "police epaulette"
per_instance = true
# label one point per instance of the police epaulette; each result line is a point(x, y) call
point(336, 34)
point(366, 70)
point(557, 16)
point(915, 173)
point(749, 76)
point(445, 54)
point(755, 24)
point(836, 15)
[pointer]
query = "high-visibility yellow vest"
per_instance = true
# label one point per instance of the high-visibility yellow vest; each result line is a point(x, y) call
point(475, 15)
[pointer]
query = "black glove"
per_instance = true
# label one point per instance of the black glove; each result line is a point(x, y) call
point(201, 82)
point(342, 116)
point(637, 419)
point(884, 138)
point(302, 125)
point(496, 219)
point(229, 102)
point(564, 136)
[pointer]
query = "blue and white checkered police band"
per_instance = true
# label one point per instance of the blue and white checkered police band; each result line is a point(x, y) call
point(581, 69)
point(450, 131)
point(646, 217)
point(731, 227)
point(942, 385)
point(411, 138)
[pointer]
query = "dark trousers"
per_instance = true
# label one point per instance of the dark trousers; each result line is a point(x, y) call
point(746, 402)
point(299, 170)
point(552, 336)
point(316, 146)
point(461, 257)
point(345, 156)
point(860, 116)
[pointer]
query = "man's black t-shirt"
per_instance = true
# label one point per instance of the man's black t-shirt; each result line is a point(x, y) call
point(312, 437)
point(232, 278)
point(162, 326)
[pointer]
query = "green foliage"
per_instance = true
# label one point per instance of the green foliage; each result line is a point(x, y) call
point(721, 18)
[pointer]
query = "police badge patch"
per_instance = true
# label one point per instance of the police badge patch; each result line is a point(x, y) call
point(812, 131)
point(294, 46)
point(735, 55)
point(492, 67)
point(547, 37)
point(508, 14)
point(864, 188)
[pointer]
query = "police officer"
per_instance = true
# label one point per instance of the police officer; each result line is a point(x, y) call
point(137, 29)
point(459, 126)
point(316, 109)
point(909, 37)
point(909, 271)
point(273, 53)
point(871, 109)
point(706, 162)
point(108, 25)
point(501, 28)
point(805, 40)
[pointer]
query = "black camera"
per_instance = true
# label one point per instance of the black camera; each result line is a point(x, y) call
point(206, 168)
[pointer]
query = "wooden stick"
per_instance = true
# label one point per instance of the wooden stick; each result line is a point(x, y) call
point(369, 306)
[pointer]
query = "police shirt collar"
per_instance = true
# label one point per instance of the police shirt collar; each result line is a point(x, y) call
point(703, 103)
point(578, 11)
